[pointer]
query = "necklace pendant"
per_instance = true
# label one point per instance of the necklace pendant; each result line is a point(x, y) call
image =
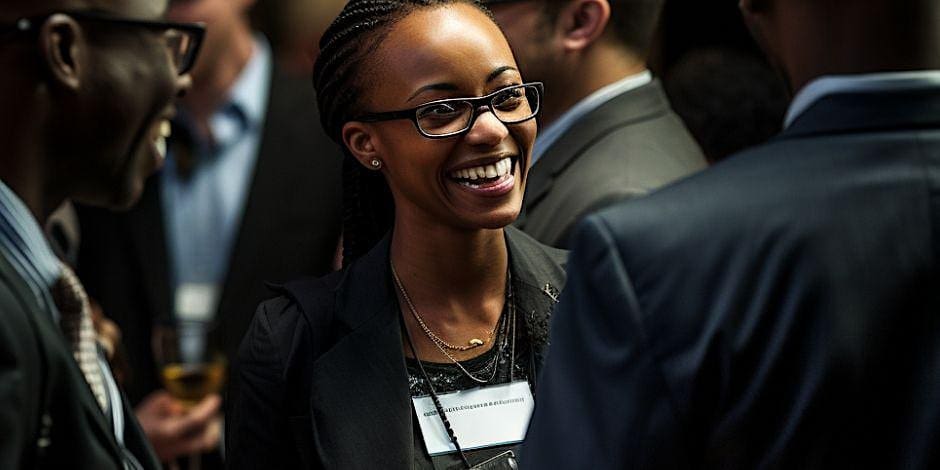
point(476, 342)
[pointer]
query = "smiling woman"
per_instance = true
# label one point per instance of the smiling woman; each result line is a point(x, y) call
point(362, 368)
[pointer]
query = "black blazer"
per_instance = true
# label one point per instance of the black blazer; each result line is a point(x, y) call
point(290, 228)
point(781, 310)
point(328, 388)
point(48, 415)
point(625, 148)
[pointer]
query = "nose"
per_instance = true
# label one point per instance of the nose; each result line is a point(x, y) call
point(183, 83)
point(487, 130)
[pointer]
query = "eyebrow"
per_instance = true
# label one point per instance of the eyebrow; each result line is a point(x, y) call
point(451, 87)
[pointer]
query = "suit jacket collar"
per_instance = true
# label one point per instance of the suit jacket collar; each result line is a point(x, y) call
point(48, 333)
point(869, 111)
point(639, 104)
point(362, 381)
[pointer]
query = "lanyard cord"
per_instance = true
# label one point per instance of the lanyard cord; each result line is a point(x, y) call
point(434, 398)
point(427, 378)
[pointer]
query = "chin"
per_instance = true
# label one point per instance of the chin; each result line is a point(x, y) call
point(497, 219)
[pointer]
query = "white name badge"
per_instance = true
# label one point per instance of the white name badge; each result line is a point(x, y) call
point(481, 417)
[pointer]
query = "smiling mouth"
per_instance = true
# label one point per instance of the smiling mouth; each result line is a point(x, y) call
point(484, 175)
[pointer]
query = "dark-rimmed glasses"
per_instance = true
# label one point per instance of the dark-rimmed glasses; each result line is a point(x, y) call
point(182, 39)
point(454, 116)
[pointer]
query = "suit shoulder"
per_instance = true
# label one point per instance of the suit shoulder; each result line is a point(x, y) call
point(307, 299)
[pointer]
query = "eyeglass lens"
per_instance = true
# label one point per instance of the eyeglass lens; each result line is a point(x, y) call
point(512, 105)
point(180, 44)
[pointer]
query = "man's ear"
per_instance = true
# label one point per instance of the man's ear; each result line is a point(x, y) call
point(582, 22)
point(360, 141)
point(63, 48)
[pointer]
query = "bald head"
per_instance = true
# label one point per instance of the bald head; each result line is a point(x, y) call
point(810, 38)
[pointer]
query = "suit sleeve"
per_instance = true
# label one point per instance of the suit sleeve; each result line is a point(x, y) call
point(257, 427)
point(601, 392)
point(12, 399)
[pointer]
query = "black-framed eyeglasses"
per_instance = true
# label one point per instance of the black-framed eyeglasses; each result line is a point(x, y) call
point(454, 116)
point(182, 39)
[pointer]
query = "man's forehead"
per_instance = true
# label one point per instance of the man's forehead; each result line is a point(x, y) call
point(143, 9)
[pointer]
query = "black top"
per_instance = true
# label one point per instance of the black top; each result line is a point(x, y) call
point(322, 371)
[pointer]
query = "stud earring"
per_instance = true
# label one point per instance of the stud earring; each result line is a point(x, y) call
point(376, 164)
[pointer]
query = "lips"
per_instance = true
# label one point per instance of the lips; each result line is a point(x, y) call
point(493, 179)
point(482, 175)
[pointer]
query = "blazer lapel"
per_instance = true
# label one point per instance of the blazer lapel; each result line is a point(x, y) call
point(538, 278)
point(50, 336)
point(643, 103)
point(360, 386)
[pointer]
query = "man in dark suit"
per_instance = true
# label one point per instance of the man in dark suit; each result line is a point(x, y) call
point(250, 193)
point(86, 97)
point(606, 130)
point(780, 310)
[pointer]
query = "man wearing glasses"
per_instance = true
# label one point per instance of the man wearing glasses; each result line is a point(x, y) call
point(250, 194)
point(87, 94)
point(606, 130)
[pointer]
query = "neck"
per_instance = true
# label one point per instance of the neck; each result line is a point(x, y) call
point(870, 38)
point(24, 168)
point(212, 84)
point(452, 275)
point(600, 66)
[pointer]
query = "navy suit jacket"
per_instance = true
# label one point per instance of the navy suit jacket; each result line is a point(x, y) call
point(781, 310)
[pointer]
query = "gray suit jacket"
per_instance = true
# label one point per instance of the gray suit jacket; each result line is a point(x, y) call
point(630, 145)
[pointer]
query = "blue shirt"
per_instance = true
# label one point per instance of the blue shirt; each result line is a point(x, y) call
point(555, 130)
point(24, 245)
point(203, 212)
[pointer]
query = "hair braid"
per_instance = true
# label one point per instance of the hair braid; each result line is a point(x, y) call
point(339, 76)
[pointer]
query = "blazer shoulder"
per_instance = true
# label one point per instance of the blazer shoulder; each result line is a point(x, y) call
point(536, 258)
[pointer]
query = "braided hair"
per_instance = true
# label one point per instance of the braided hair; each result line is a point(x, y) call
point(339, 77)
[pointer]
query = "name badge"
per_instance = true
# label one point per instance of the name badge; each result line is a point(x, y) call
point(196, 301)
point(481, 417)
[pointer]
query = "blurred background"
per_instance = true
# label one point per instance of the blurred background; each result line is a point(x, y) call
point(714, 72)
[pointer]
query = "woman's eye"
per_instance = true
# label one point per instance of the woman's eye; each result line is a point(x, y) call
point(508, 100)
point(438, 111)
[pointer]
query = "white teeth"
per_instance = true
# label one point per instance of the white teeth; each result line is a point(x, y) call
point(160, 145)
point(494, 170)
point(166, 130)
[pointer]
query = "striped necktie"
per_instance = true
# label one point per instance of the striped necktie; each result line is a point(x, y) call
point(76, 324)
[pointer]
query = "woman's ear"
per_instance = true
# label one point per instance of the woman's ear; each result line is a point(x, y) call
point(582, 22)
point(360, 141)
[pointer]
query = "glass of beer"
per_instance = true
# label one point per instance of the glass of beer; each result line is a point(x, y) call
point(191, 368)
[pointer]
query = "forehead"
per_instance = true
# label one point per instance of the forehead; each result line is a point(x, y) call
point(456, 44)
point(141, 9)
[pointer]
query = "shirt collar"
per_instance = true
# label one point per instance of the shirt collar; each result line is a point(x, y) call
point(247, 102)
point(23, 240)
point(555, 130)
point(832, 84)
